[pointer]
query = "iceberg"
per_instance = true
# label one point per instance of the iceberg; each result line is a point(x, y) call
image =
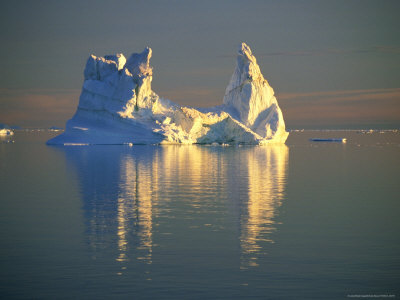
point(55, 128)
point(6, 132)
point(118, 106)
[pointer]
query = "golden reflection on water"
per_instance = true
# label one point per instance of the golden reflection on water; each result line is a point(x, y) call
point(152, 182)
point(194, 171)
point(135, 203)
point(181, 167)
point(267, 171)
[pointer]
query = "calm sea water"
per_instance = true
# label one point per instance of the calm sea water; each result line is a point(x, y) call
point(304, 220)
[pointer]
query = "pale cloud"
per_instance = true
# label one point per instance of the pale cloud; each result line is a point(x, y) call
point(37, 107)
point(193, 96)
point(319, 109)
point(330, 51)
point(333, 51)
point(47, 107)
point(389, 91)
point(375, 106)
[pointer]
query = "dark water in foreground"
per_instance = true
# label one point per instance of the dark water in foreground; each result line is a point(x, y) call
point(304, 220)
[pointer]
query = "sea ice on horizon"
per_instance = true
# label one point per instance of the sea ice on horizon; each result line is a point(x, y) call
point(118, 106)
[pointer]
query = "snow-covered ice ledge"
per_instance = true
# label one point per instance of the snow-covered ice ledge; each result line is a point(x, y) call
point(118, 106)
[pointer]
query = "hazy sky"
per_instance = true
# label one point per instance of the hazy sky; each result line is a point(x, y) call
point(331, 63)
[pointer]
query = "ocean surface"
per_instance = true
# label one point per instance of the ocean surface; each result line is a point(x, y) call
point(305, 220)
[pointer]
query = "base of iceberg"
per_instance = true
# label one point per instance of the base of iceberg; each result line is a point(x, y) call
point(117, 106)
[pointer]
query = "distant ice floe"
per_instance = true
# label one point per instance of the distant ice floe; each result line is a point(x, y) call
point(334, 140)
point(6, 132)
point(370, 131)
point(118, 106)
point(55, 128)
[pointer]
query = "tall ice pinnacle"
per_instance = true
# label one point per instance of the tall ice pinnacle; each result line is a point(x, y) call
point(252, 99)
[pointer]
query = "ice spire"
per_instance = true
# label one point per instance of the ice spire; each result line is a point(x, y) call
point(251, 98)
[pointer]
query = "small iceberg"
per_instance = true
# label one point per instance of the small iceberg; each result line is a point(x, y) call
point(55, 128)
point(4, 132)
point(336, 140)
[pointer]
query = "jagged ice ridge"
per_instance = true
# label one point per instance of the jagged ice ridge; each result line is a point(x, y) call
point(118, 106)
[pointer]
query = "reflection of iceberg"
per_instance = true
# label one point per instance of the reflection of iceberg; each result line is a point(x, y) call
point(135, 203)
point(267, 172)
point(117, 187)
point(133, 197)
point(260, 186)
